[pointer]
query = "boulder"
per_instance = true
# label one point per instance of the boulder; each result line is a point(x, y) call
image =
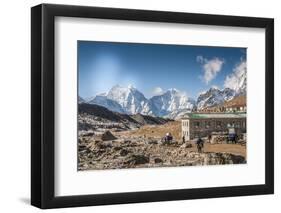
point(124, 152)
point(107, 136)
point(158, 160)
point(138, 159)
point(186, 145)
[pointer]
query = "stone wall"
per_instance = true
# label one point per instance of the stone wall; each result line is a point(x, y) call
point(204, 127)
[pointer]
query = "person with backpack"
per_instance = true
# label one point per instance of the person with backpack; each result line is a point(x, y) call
point(200, 144)
point(209, 138)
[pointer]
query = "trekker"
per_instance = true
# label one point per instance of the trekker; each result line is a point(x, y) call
point(200, 145)
point(232, 138)
point(209, 138)
point(183, 139)
point(236, 138)
point(168, 138)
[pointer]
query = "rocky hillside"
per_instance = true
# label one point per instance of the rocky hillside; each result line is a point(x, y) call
point(146, 119)
point(80, 100)
point(95, 117)
point(237, 101)
point(102, 100)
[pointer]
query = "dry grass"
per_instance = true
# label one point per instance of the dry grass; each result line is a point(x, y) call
point(157, 131)
point(235, 149)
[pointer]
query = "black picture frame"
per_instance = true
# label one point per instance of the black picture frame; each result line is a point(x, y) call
point(43, 110)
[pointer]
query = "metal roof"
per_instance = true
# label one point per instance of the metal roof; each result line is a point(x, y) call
point(214, 115)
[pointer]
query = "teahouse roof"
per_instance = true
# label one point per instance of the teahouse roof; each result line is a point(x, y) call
point(213, 115)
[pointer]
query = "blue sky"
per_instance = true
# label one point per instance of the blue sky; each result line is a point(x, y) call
point(154, 68)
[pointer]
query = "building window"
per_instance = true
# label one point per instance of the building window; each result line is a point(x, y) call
point(231, 124)
point(196, 124)
point(218, 124)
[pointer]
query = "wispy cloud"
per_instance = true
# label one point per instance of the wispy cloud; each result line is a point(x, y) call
point(232, 81)
point(210, 67)
point(215, 87)
point(200, 59)
point(157, 91)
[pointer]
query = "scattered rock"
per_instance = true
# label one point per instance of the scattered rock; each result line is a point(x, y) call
point(105, 145)
point(135, 152)
point(89, 134)
point(152, 142)
point(124, 152)
point(158, 160)
point(117, 148)
point(81, 147)
point(138, 159)
point(186, 145)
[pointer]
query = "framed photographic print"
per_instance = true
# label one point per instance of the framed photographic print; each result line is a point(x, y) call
point(139, 106)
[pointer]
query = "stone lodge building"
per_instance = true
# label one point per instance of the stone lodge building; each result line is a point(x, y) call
point(203, 124)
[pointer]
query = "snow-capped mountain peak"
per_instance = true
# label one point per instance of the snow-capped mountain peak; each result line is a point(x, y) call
point(131, 86)
point(214, 96)
point(131, 101)
point(170, 101)
point(173, 90)
point(235, 85)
